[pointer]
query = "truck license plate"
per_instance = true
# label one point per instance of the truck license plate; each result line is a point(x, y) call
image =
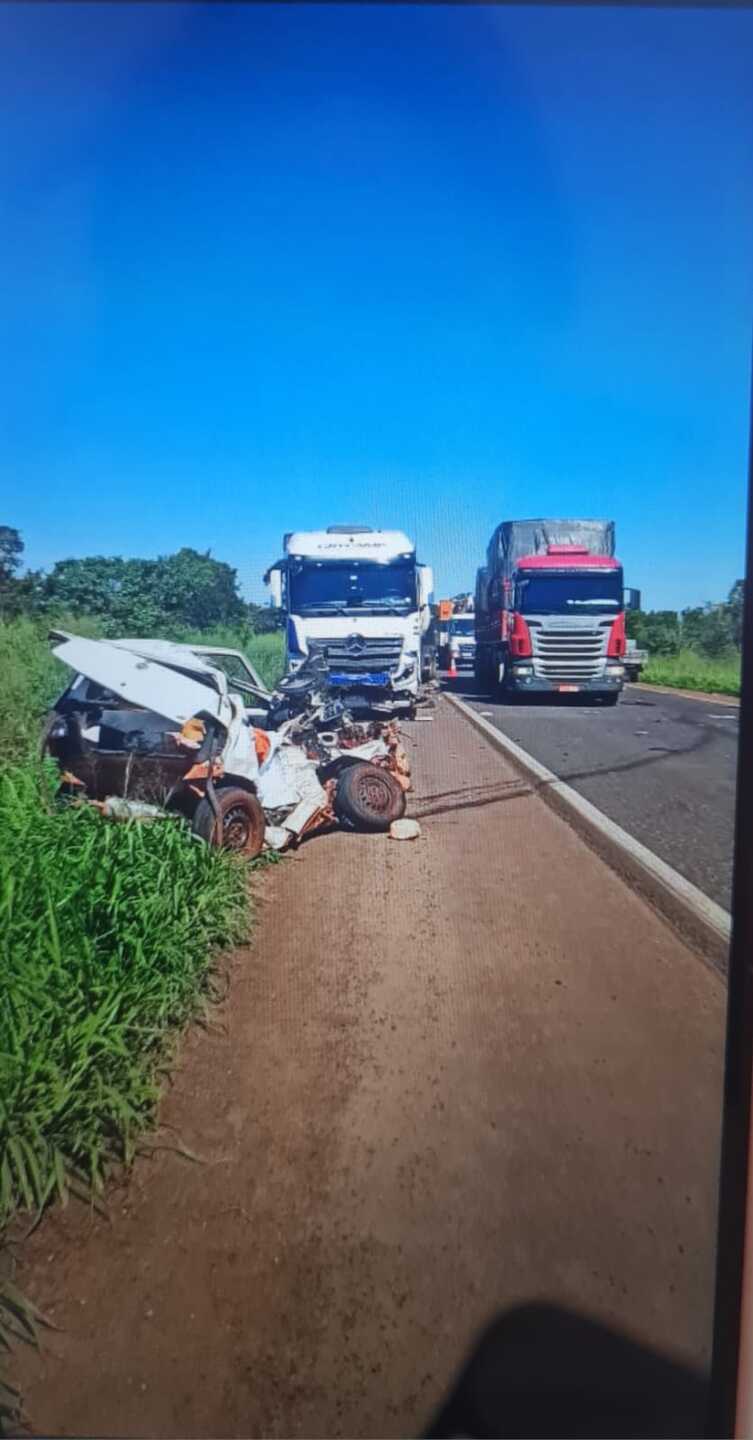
point(568, 688)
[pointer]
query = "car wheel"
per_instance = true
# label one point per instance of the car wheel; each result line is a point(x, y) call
point(240, 826)
point(368, 798)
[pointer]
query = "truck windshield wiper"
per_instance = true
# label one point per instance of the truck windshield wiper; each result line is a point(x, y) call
point(316, 607)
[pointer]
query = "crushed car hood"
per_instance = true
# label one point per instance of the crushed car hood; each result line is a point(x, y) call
point(150, 684)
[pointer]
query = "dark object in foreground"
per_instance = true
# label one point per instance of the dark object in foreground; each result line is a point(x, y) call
point(547, 1372)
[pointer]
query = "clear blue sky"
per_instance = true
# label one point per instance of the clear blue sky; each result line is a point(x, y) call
point(267, 268)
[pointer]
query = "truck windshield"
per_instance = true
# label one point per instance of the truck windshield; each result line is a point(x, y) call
point(559, 594)
point(326, 587)
point(462, 627)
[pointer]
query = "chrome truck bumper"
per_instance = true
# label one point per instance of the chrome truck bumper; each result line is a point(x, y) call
point(517, 678)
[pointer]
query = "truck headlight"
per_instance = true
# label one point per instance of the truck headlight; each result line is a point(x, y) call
point(522, 669)
point(615, 671)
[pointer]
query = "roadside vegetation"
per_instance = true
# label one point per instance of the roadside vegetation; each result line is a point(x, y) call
point(690, 670)
point(693, 649)
point(109, 932)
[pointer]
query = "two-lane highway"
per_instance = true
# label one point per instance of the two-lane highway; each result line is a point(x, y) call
point(662, 766)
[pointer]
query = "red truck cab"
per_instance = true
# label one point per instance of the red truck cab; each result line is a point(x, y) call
point(555, 622)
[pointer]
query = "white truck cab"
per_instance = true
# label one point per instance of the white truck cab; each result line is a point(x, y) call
point(360, 597)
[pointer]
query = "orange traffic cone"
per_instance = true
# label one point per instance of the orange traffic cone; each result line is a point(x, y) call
point(452, 673)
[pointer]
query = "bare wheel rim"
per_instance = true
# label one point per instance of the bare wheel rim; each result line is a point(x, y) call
point(374, 792)
point(236, 828)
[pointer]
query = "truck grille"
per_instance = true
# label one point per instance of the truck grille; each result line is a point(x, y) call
point(568, 655)
point(373, 653)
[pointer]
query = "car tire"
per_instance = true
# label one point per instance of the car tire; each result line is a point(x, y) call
point(240, 826)
point(368, 798)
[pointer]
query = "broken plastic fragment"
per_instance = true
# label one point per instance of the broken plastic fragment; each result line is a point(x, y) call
point(405, 830)
point(115, 807)
point(262, 745)
point(201, 772)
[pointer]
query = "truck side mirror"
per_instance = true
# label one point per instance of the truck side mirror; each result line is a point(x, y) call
point(274, 581)
point(425, 584)
point(631, 599)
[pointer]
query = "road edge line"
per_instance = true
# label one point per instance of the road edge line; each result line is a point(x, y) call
point(699, 919)
point(710, 697)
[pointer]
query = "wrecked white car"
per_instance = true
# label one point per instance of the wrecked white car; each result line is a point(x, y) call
point(149, 727)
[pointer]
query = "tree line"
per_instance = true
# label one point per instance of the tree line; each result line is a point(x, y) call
point(713, 629)
point(190, 589)
point(137, 597)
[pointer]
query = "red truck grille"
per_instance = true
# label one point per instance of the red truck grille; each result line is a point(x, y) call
point(568, 655)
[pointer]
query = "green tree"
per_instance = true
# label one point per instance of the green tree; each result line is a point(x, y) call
point(657, 631)
point(18, 593)
point(11, 550)
point(195, 589)
point(85, 586)
point(147, 597)
point(708, 629)
point(735, 602)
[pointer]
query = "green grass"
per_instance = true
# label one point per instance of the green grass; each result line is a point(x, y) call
point(108, 938)
point(266, 652)
point(107, 933)
point(30, 678)
point(691, 671)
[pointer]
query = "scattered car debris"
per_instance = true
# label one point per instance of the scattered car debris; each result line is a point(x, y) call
point(116, 808)
point(405, 830)
point(148, 729)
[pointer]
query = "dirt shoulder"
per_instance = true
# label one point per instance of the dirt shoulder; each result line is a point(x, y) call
point(454, 1074)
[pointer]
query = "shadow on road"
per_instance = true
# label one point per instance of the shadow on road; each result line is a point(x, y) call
point(543, 1371)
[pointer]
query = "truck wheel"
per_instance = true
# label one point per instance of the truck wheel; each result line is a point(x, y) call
point(241, 822)
point(611, 699)
point(368, 798)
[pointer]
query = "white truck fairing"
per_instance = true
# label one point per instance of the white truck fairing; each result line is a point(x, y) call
point(359, 597)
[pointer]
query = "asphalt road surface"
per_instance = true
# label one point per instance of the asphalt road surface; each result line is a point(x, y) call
point(661, 765)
